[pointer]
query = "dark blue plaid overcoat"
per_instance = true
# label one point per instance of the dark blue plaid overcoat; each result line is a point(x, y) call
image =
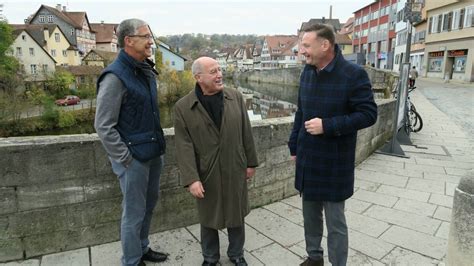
point(341, 95)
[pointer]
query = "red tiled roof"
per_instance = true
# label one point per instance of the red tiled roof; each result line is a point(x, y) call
point(343, 39)
point(280, 42)
point(104, 32)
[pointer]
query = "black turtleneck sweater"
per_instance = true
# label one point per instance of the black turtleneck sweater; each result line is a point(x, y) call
point(214, 105)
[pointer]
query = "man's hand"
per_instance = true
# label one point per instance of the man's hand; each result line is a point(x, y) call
point(197, 190)
point(314, 126)
point(293, 158)
point(250, 173)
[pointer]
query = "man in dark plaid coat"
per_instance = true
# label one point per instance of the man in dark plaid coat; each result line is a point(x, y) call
point(335, 100)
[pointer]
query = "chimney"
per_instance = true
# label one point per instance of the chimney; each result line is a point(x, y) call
point(64, 8)
point(102, 22)
point(323, 20)
point(58, 7)
point(330, 12)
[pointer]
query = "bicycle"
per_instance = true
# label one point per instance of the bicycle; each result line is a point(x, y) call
point(413, 120)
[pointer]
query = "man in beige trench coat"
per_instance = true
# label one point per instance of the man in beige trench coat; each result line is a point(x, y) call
point(216, 156)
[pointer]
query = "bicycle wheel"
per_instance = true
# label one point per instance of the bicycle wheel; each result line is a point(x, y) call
point(417, 122)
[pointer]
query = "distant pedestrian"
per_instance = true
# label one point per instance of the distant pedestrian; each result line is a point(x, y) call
point(216, 157)
point(127, 121)
point(335, 100)
point(413, 76)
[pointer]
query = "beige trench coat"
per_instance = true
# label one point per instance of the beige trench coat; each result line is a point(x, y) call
point(218, 158)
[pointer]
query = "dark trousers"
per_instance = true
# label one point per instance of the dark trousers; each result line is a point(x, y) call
point(338, 240)
point(210, 243)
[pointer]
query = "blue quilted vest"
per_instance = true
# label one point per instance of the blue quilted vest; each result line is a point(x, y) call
point(139, 120)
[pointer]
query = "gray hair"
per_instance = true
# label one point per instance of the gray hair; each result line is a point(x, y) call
point(196, 67)
point(128, 27)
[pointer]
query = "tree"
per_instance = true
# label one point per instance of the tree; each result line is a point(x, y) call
point(58, 84)
point(8, 64)
point(159, 61)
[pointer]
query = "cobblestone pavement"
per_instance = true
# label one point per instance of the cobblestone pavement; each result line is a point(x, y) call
point(399, 215)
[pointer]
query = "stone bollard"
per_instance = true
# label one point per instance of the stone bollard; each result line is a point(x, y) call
point(461, 232)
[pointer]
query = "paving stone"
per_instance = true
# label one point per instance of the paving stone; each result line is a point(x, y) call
point(443, 213)
point(443, 231)
point(382, 178)
point(424, 244)
point(357, 206)
point(404, 193)
point(254, 239)
point(286, 211)
point(366, 185)
point(357, 258)
point(275, 227)
point(456, 171)
point(374, 197)
point(373, 247)
point(444, 163)
point(180, 244)
point(431, 186)
point(74, 257)
point(32, 262)
point(416, 207)
point(366, 225)
point(446, 201)
point(426, 148)
point(430, 169)
point(379, 169)
point(299, 249)
point(450, 188)
point(275, 254)
point(295, 201)
point(398, 165)
point(406, 219)
point(401, 256)
point(106, 254)
point(442, 177)
point(388, 158)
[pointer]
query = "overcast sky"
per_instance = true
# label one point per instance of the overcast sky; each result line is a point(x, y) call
point(215, 16)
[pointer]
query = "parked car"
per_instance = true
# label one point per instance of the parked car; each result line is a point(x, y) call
point(68, 100)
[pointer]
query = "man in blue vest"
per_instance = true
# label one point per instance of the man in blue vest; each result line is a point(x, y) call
point(127, 121)
point(335, 100)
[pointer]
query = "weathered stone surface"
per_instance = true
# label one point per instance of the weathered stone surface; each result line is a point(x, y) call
point(405, 219)
point(461, 232)
point(8, 202)
point(102, 189)
point(11, 249)
point(404, 193)
point(51, 194)
point(374, 197)
point(275, 254)
point(77, 257)
point(37, 222)
point(376, 248)
point(366, 225)
point(275, 227)
point(94, 213)
point(419, 242)
point(416, 207)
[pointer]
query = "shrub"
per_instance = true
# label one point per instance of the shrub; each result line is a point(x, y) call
point(66, 119)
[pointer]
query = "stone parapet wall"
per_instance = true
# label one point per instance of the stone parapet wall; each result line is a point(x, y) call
point(58, 192)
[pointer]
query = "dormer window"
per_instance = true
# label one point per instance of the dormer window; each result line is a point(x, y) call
point(42, 19)
point(50, 18)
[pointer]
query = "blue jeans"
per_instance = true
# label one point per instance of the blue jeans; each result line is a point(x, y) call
point(338, 240)
point(140, 185)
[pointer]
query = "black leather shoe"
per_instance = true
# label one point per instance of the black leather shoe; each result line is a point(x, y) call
point(239, 262)
point(154, 256)
point(141, 263)
point(311, 262)
point(207, 263)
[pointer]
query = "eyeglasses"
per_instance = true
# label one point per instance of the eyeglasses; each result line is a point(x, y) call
point(146, 36)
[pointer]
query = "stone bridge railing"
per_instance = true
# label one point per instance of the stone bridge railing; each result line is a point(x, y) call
point(58, 192)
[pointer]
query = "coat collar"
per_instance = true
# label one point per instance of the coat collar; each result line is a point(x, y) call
point(330, 67)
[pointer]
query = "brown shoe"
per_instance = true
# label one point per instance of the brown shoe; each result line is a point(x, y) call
point(311, 262)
